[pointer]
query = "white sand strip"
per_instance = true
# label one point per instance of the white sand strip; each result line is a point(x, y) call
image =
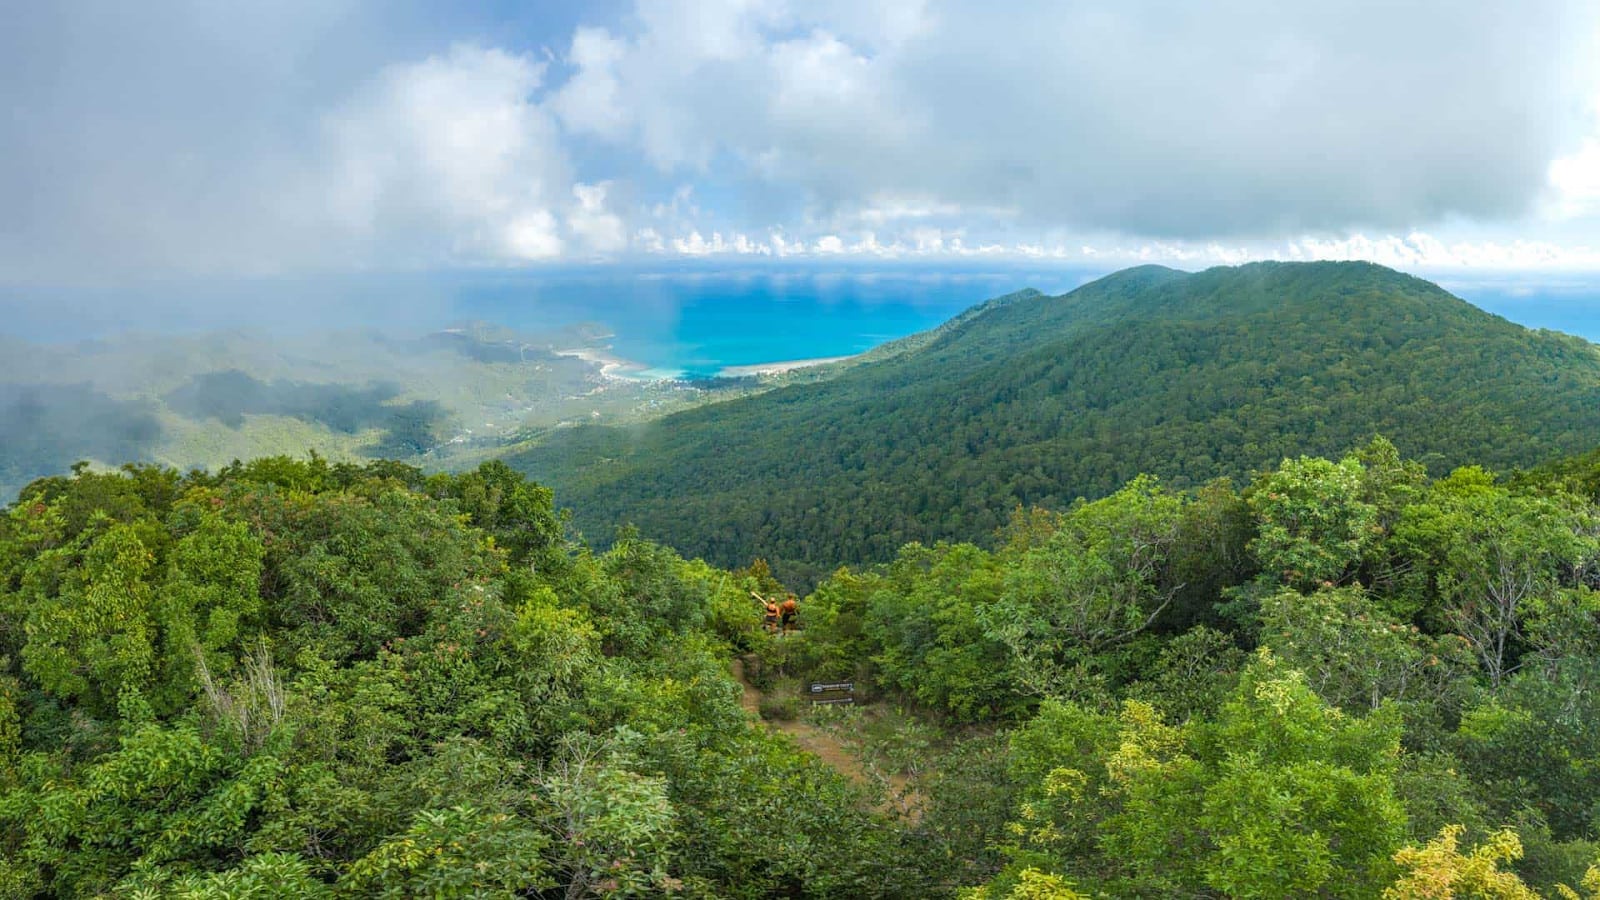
point(774, 368)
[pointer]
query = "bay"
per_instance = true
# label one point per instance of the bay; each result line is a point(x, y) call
point(699, 323)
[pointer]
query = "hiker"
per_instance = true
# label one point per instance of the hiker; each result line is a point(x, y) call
point(789, 609)
point(770, 620)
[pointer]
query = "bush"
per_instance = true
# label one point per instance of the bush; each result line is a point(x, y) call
point(783, 703)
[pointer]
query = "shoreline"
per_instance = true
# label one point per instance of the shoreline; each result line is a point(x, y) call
point(611, 366)
point(616, 368)
point(778, 367)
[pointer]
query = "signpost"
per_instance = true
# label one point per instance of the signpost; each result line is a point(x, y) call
point(828, 692)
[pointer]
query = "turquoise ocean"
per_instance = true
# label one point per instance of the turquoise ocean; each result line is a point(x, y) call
point(697, 323)
point(671, 321)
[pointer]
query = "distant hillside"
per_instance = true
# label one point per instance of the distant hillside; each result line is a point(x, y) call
point(441, 399)
point(1039, 400)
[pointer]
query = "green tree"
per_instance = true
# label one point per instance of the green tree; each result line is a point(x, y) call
point(1313, 524)
point(1280, 796)
point(95, 640)
point(925, 622)
point(1536, 745)
point(1101, 578)
point(614, 826)
point(458, 852)
point(1495, 559)
point(1354, 655)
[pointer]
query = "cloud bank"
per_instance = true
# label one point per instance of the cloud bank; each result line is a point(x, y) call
point(174, 140)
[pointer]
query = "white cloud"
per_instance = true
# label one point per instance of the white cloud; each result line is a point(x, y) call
point(1574, 178)
point(696, 245)
point(1248, 117)
point(450, 157)
point(649, 240)
point(1061, 129)
point(531, 235)
point(1575, 181)
point(1416, 251)
point(782, 246)
point(589, 103)
point(599, 229)
point(883, 208)
point(1419, 250)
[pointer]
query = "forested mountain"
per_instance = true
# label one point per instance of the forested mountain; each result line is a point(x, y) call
point(1039, 400)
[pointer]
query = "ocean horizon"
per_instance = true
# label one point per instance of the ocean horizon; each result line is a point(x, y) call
point(682, 321)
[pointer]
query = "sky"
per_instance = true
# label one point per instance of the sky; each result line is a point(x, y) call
point(177, 146)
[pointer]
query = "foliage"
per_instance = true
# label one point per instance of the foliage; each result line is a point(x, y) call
point(304, 678)
point(1101, 578)
point(926, 618)
point(1536, 745)
point(1314, 525)
point(1355, 656)
point(1280, 795)
point(1495, 560)
point(292, 678)
point(1440, 871)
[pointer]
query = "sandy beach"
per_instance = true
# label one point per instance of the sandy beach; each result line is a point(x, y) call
point(775, 368)
point(610, 366)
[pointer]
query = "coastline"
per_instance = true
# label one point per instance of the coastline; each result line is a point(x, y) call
point(778, 367)
point(610, 366)
point(613, 367)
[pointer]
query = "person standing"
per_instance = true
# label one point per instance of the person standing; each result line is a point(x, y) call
point(772, 612)
point(788, 612)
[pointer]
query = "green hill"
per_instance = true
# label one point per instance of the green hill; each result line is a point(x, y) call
point(1039, 400)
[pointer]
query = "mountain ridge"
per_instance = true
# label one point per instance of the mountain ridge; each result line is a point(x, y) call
point(1040, 400)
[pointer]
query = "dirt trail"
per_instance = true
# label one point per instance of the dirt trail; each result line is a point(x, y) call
point(899, 800)
point(810, 738)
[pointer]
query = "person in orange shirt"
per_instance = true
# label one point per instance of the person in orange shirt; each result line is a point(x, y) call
point(787, 612)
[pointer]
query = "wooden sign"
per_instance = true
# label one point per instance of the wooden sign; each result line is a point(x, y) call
point(828, 692)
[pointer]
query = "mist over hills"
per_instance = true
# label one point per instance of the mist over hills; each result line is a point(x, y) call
point(1038, 400)
point(440, 399)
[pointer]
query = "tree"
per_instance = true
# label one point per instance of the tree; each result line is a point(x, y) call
point(1192, 676)
point(519, 513)
point(1440, 871)
point(1313, 525)
point(1281, 795)
point(1101, 578)
point(1495, 557)
point(95, 640)
point(925, 622)
point(1354, 655)
point(1536, 745)
point(460, 852)
point(614, 827)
